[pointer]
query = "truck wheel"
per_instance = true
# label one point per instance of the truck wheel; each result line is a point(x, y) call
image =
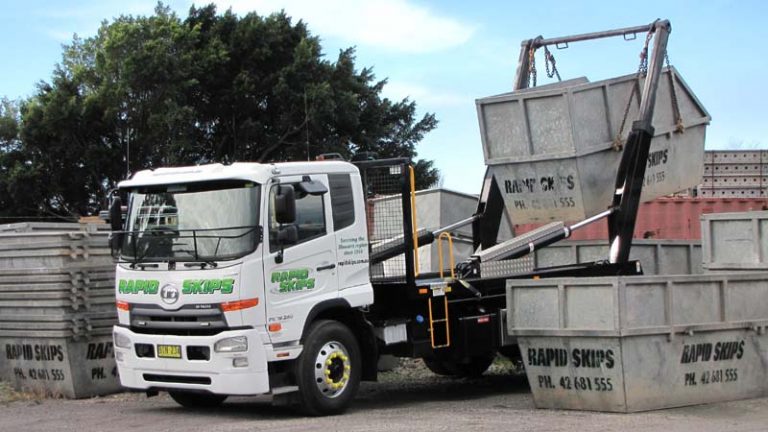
point(196, 400)
point(475, 366)
point(328, 370)
point(470, 368)
point(439, 367)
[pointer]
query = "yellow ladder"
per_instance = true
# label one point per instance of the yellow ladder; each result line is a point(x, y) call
point(439, 315)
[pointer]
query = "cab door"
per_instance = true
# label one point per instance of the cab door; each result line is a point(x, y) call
point(304, 273)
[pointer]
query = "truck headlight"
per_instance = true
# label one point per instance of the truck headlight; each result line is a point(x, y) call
point(233, 344)
point(122, 340)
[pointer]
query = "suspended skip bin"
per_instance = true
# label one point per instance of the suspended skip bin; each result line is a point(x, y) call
point(552, 148)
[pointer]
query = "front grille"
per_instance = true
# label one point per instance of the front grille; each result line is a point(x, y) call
point(177, 379)
point(189, 320)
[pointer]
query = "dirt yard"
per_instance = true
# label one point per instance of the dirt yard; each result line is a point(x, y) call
point(410, 398)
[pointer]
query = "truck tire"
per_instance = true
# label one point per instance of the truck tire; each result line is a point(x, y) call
point(329, 368)
point(439, 367)
point(471, 367)
point(475, 366)
point(196, 400)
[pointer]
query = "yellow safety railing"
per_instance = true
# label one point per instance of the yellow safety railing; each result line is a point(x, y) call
point(452, 263)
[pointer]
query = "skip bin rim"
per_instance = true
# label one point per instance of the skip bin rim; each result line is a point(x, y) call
point(568, 91)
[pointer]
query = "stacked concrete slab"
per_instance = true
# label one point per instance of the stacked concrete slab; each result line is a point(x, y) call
point(735, 174)
point(57, 309)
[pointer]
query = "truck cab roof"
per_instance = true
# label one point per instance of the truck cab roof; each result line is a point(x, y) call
point(256, 172)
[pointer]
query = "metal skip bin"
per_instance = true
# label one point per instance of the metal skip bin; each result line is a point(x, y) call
point(735, 241)
point(627, 344)
point(552, 152)
point(57, 309)
point(60, 367)
point(669, 257)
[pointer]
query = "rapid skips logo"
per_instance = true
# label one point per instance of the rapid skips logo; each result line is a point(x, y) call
point(208, 286)
point(292, 281)
point(188, 286)
point(138, 286)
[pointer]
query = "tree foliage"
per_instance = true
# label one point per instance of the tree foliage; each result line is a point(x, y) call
point(161, 91)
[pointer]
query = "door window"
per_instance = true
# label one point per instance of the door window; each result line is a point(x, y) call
point(310, 218)
point(342, 203)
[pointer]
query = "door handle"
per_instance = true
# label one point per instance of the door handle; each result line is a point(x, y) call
point(326, 267)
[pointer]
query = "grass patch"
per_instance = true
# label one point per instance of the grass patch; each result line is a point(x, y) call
point(8, 394)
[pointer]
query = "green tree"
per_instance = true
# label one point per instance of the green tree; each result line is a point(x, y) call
point(158, 91)
point(19, 177)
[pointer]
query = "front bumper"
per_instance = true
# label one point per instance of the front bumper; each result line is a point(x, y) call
point(216, 375)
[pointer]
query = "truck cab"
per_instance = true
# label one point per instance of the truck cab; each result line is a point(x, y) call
point(228, 274)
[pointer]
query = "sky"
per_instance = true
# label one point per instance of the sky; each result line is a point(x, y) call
point(446, 54)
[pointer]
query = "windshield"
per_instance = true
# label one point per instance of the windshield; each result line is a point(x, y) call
point(205, 221)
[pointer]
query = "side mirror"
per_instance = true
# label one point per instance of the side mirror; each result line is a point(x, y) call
point(116, 223)
point(285, 204)
point(116, 214)
point(288, 235)
point(311, 187)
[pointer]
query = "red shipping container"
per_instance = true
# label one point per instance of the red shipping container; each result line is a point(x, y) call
point(667, 218)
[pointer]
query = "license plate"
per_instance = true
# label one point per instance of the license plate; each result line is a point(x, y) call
point(169, 351)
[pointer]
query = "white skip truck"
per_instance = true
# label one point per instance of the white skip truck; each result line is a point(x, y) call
point(248, 279)
point(293, 278)
point(233, 278)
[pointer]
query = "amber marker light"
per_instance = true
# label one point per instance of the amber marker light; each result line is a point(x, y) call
point(123, 305)
point(239, 305)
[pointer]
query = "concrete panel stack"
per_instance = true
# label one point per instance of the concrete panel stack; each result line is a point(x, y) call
point(57, 308)
point(735, 174)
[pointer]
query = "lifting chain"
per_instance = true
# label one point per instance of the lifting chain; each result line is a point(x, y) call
point(532, 67)
point(549, 58)
point(642, 71)
point(679, 127)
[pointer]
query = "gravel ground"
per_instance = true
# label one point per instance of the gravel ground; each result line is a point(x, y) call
point(410, 398)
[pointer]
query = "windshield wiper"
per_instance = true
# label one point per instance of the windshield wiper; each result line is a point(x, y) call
point(144, 266)
point(201, 264)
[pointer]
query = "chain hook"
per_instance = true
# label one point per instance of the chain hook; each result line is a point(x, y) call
point(679, 126)
point(642, 71)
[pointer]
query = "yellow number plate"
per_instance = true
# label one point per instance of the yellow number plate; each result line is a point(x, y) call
point(169, 351)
